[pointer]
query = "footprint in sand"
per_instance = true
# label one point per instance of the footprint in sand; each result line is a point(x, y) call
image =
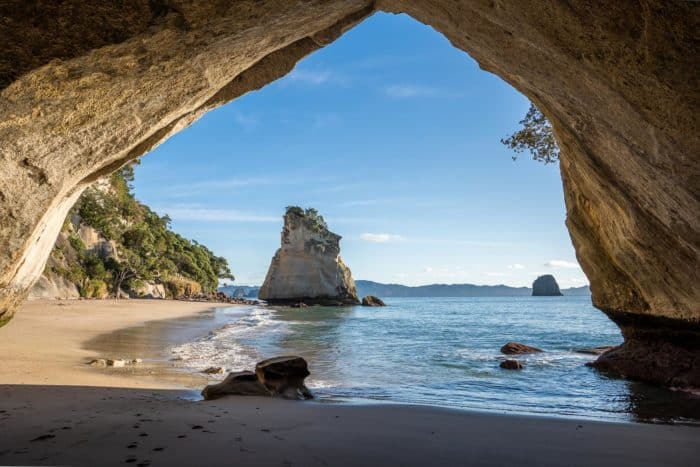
point(133, 446)
point(43, 438)
point(158, 449)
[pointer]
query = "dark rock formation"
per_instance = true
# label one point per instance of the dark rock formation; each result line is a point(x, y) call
point(307, 268)
point(284, 376)
point(546, 286)
point(511, 365)
point(655, 350)
point(595, 350)
point(618, 83)
point(515, 348)
point(278, 376)
point(240, 383)
point(371, 300)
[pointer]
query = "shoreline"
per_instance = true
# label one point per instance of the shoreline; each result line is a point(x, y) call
point(50, 342)
point(56, 410)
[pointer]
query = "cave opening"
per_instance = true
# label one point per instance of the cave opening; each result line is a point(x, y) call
point(621, 226)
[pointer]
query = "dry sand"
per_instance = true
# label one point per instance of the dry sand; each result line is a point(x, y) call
point(55, 410)
point(48, 342)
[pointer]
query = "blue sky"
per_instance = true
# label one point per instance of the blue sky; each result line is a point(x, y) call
point(394, 136)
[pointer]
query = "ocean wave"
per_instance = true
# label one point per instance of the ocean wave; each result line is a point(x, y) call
point(226, 347)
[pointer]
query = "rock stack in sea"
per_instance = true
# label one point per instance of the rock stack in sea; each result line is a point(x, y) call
point(546, 286)
point(307, 268)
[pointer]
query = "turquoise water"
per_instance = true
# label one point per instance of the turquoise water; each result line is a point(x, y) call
point(445, 352)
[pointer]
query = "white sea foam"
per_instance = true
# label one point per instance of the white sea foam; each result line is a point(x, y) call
point(226, 347)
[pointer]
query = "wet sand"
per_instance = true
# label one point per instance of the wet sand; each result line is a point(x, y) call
point(89, 426)
point(50, 342)
point(55, 410)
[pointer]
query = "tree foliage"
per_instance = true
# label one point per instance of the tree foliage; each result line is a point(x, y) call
point(536, 136)
point(312, 218)
point(148, 250)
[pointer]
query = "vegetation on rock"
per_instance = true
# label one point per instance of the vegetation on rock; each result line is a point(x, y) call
point(147, 250)
point(535, 136)
point(312, 219)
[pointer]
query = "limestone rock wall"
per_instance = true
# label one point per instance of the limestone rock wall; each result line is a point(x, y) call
point(618, 81)
point(307, 267)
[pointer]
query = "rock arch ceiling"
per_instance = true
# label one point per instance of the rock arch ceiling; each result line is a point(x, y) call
point(87, 86)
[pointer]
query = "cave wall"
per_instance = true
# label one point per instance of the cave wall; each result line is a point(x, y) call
point(107, 81)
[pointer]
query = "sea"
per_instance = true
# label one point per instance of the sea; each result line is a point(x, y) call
point(443, 352)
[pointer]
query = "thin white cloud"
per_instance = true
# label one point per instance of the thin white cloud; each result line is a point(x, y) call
point(192, 213)
point(310, 76)
point(403, 91)
point(516, 266)
point(561, 264)
point(247, 121)
point(380, 237)
point(191, 189)
point(313, 77)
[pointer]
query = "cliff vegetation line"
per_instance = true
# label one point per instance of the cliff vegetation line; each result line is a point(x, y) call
point(113, 245)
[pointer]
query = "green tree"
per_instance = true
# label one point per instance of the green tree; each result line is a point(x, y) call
point(536, 136)
point(148, 250)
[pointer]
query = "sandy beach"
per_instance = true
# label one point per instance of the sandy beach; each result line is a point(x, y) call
point(49, 342)
point(56, 410)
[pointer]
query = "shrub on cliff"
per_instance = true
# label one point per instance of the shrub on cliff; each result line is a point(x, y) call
point(536, 136)
point(148, 250)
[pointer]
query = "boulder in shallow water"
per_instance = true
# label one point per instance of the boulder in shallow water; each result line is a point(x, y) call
point(516, 348)
point(371, 300)
point(595, 350)
point(240, 383)
point(511, 365)
point(284, 376)
point(98, 362)
point(214, 370)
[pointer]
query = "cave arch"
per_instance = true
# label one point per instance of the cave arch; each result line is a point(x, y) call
point(618, 82)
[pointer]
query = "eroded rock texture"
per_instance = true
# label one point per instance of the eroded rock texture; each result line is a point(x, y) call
point(87, 86)
point(307, 268)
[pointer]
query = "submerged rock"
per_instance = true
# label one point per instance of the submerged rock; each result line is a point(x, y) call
point(240, 383)
point(371, 300)
point(516, 348)
point(511, 365)
point(307, 268)
point(642, 357)
point(98, 362)
point(546, 286)
point(214, 370)
point(595, 350)
point(278, 376)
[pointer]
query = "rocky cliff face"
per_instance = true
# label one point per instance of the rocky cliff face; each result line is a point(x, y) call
point(617, 81)
point(307, 268)
point(546, 286)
